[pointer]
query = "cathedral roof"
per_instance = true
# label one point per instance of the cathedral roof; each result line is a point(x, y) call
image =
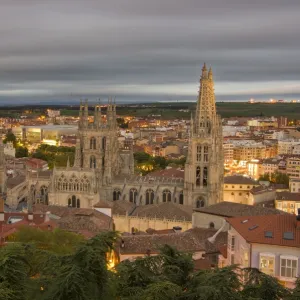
point(167, 210)
point(14, 181)
point(231, 209)
point(168, 172)
point(122, 207)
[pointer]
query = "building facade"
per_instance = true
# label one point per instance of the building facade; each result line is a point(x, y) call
point(104, 168)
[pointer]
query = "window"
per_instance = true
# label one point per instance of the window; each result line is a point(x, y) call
point(133, 195)
point(93, 162)
point(240, 194)
point(149, 196)
point(104, 143)
point(205, 157)
point(233, 186)
point(92, 143)
point(246, 259)
point(212, 225)
point(116, 195)
point(232, 194)
point(267, 263)
point(205, 176)
point(199, 149)
point(231, 242)
point(200, 202)
point(72, 202)
point(166, 196)
point(198, 176)
point(288, 267)
point(181, 197)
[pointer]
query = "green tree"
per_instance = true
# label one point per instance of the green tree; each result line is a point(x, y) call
point(142, 157)
point(10, 137)
point(21, 151)
point(262, 286)
point(264, 177)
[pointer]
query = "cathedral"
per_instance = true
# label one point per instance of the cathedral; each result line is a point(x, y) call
point(103, 169)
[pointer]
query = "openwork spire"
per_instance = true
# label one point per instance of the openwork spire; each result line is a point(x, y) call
point(206, 106)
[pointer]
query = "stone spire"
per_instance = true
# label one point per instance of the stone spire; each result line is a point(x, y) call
point(77, 162)
point(206, 106)
point(86, 114)
point(81, 114)
point(96, 116)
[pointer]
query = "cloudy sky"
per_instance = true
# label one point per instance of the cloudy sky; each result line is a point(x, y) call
point(141, 50)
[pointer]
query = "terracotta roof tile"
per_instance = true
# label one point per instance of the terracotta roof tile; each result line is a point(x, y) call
point(288, 196)
point(275, 224)
point(239, 179)
point(169, 172)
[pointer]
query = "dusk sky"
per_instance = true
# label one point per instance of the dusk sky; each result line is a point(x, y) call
point(137, 50)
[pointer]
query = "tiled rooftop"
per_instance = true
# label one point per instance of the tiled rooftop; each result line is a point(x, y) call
point(231, 209)
point(269, 229)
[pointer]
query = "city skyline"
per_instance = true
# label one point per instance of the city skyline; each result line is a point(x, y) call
point(142, 51)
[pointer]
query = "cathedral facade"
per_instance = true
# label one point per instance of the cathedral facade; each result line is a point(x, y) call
point(104, 170)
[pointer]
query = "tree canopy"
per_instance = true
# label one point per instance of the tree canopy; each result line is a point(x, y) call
point(35, 268)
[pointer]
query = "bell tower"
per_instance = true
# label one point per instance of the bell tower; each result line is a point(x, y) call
point(204, 168)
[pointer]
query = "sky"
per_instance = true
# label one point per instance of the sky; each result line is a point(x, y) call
point(58, 51)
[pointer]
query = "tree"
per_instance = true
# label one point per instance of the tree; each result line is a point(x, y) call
point(141, 157)
point(262, 286)
point(21, 151)
point(10, 137)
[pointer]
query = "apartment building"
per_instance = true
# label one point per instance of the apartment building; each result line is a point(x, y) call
point(269, 243)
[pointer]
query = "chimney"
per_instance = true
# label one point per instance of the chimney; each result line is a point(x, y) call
point(1, 209)
point(47, 217)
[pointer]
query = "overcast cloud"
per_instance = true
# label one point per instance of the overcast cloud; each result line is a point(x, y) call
point(141, 50)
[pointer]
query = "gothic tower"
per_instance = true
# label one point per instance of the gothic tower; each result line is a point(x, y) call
point(204, 168)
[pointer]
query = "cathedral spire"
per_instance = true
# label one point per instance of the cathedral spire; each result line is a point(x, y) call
point(206, 107)
point(86, 113)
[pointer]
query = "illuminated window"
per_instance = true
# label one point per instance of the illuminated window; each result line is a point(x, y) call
point(267, 263)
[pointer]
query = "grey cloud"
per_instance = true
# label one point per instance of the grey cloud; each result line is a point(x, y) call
point(54, 45)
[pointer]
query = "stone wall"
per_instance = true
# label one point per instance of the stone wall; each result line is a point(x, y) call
point(125, 223)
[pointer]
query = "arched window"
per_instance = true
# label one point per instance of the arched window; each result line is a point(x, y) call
point(200, 202)
point(167, 196)
point(181, 197)
point(149, 196)
point(133, 195)
point(198, 175)
point(212, 225)
point(92, 143)
point(104, 143)
point(93, 162)
point(44, 195)
point(73, 202)
point(116, 195)
point(205, 174)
